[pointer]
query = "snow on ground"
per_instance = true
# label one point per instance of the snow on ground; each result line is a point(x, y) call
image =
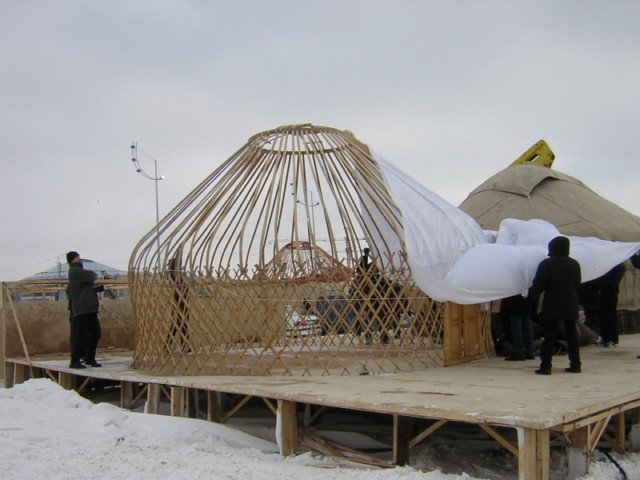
point(50, 433)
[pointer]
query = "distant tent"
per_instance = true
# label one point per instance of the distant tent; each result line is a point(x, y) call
point(61, 270)
point(526, 192)
point(301, 261)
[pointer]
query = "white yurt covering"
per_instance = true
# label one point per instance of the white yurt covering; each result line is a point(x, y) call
point(452, 259)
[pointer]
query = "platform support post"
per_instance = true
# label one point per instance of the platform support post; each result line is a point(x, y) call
point(533, 454)
point(578, 453)
point(192, 399)
point(66, 380)
point(402, 430)
point(618, 441)
point(635, 430)
point(634, 436)
point(286, 427)
point(8, 375)
point(214, 406)
point(20, 373)
point(126, 395)
point(153, 398)
point(177, 401)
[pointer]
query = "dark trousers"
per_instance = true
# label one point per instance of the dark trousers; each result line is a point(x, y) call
point(550, 332)
point(521, 336)
point(590, 310)
point(609, 318)
point(84, 338)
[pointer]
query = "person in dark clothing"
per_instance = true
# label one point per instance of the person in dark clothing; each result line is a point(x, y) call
point(360, 290)
point(84, 304)
point(365, 262)
point(518, 310)
point(363, 291)
point(558, 277)
point(589, 293)
point(607, 312)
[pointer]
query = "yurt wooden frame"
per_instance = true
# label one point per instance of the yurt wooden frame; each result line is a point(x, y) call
point(217, 288)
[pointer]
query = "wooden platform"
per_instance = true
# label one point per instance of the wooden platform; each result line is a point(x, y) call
point(581, 409)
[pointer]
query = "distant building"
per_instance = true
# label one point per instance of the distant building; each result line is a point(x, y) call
point(56, 291)
point(61, 271)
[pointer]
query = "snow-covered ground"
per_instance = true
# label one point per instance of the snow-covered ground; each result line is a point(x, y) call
point(50, 433)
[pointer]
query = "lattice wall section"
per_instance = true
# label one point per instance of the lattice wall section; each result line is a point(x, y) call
point(365, 324)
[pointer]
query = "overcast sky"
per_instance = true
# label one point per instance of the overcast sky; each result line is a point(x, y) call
point(451, 91)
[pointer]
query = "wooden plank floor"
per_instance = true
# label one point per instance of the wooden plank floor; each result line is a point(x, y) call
point(488, 391)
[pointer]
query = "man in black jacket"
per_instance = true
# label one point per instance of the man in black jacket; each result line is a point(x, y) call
point(608, 307)
point(558, 277)
point(84, 305)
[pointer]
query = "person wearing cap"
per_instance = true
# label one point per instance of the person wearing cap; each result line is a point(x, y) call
point(558, 277)
point(84, 305)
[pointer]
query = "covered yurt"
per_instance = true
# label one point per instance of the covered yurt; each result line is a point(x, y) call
point(533, 190)
point(289, 259)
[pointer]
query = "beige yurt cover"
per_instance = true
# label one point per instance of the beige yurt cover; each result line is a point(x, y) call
point(526, 192)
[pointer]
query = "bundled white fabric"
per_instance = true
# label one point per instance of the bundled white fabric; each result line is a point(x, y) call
point(451, 259)
point(491, 271)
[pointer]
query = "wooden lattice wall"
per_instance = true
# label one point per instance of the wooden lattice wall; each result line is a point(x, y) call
point(287, 259)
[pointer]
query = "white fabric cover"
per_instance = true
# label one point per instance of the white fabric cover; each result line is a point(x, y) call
point(452, 259)
point(380, 233)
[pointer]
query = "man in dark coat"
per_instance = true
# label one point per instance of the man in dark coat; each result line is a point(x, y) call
point(608, 306)
point(84, 305)
point(558, 277)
